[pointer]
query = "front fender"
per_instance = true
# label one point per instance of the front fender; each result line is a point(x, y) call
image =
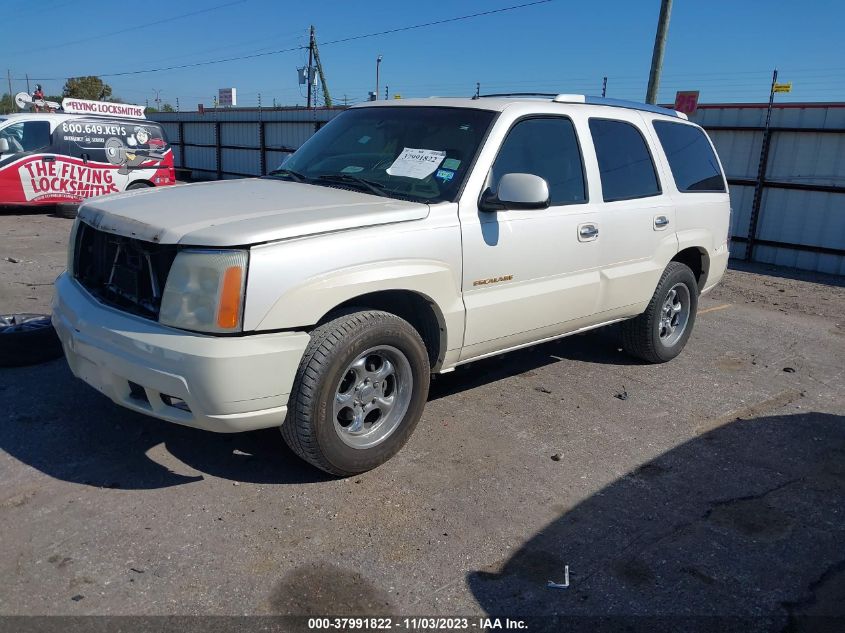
point(294, 284)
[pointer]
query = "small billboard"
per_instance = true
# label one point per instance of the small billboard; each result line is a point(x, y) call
point(227, 96)
point(686, 101)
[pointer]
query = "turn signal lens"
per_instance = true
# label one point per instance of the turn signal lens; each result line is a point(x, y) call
point(230, 298)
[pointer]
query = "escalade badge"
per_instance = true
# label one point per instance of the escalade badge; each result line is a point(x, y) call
point(492, 280)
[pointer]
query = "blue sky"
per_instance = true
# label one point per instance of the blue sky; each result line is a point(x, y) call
point(724, 49)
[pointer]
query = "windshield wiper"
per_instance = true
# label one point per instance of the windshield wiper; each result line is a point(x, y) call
point(373, 187)
point(290, 173)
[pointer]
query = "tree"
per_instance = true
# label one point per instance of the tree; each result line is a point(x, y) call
point(90, 87)
point(168, 108)
point(7, 104)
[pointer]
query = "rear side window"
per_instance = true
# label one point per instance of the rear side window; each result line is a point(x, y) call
point(625, 164)
point(545, 147)
point(693, 162)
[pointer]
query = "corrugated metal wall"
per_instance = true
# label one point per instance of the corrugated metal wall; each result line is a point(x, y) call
point(801, 218)
point(241, 142)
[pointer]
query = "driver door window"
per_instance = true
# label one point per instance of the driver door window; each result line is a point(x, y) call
point(545, 147)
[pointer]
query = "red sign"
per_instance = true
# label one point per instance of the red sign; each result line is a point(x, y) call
point(686, 101)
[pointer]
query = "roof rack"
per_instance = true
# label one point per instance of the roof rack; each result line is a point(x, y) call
point(588, 100)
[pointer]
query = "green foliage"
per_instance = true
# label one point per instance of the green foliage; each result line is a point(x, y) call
point(7, 104)
point(168, 108)
point(90, 87)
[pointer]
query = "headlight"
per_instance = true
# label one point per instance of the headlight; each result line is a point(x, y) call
point(205, 291)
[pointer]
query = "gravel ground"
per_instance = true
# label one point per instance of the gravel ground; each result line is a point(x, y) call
point(713, 485)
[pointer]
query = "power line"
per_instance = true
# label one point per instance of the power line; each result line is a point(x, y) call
point(444, 21)
point(287, 50)
point(100, 36)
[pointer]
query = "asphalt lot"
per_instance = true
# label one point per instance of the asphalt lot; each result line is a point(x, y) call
point(716, 487)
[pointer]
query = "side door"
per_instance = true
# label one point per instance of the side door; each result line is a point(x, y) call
point(637, 217)
point(529, 274)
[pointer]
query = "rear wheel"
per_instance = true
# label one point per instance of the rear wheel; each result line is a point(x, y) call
point(138, 185)
point(359, 392)
point(661, 332)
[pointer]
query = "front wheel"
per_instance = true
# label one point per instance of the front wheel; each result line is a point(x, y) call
point(661, 332)
point(359, 392)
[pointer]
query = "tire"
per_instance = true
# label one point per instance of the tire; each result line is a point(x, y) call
point(654, 339)
point(138, 185)
point(325, 425)
point(67, 209)
point(27, 339)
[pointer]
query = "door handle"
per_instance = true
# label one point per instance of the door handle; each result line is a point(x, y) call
point(661, 222)
point(587, 232)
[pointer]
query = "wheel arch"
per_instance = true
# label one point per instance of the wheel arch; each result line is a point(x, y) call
point(697, 260)
point(419, 310)
point(140, 181)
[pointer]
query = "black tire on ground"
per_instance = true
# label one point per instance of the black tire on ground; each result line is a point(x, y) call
point(138, 185)
point(27, 339)
point(641, 336)
point(67, 209)
point(311, 428)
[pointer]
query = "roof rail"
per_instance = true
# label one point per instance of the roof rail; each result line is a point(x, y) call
point(633, 105)
point(605, 101)
point(518, 94)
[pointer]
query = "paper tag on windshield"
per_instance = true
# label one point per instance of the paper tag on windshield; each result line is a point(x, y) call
point(416, 163)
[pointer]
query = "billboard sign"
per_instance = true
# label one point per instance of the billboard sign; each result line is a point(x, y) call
point(227, 96)
point(686, 101)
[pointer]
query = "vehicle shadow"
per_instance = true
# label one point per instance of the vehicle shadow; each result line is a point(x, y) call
point(600, 346)
point(738, 529)
point(63, 428)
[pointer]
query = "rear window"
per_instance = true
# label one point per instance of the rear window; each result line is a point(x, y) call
point(625, 164)
point(691, 157)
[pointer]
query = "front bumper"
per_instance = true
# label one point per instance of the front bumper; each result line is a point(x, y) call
point(222, 384)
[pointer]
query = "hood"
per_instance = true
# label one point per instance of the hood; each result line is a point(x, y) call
point(241, 212)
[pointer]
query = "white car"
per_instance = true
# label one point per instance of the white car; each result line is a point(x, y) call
point(405, 238)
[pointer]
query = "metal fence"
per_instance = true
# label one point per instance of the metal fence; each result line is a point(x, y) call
point(239, 143)
point(798, 167)
point(797, 220)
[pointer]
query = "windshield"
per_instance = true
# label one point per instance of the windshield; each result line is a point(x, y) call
point(407, 152)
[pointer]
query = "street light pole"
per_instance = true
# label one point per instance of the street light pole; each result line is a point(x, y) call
point(378, 64)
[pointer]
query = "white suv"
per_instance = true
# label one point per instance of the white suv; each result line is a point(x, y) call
point(403, 239)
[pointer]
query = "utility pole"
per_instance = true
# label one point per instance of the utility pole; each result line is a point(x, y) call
point(157, 99)
point(659, 47)
point(327, 98)
point(378, 64)
point(11, 96)
point(177, 104)
point(386, 93)
point(27, 84)
point(310, 61)
point(604, 87)
point(477, 89)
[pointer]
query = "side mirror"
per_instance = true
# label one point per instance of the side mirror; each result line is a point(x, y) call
point(4, 146)
point(517, 191)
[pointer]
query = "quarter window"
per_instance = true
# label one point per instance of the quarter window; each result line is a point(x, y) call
point(691, 157)
point(625, 164)
point(545, 147)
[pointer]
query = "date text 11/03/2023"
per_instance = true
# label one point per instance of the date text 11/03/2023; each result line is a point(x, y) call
point(433, 624)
